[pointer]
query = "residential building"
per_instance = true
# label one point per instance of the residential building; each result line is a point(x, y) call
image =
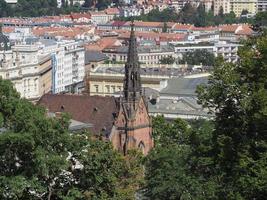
point(67, 64)
point(179, 99)
point(221, 4)
point(107, 80)
point(225, 49)
point(237, 6)
point(11, 1)
point(235, 32)
point(100, 17)
point(261, 5)
point(208, 4)
point(146, 54)
point(30, 72)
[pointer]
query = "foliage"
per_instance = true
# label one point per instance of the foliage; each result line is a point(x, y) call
point(5, 9)
point(198, 57)
point(188, 15)
point(261, 18)
point(237, 94)
point(167, 60)
point(179, 166)
point(40, 159)
point(225, 158)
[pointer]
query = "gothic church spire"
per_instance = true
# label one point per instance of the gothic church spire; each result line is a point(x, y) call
point(132, 81)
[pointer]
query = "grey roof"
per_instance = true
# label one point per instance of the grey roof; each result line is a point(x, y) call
point(183, 86)
point(77, 125)
point(144, 71)
point(94, 56)
point(181, 106)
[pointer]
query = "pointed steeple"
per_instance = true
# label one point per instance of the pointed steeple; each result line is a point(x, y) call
point(132, 80)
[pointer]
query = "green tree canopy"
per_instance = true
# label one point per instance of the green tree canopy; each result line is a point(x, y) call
point(237, 93)
point(40, 159)
point(198, 57)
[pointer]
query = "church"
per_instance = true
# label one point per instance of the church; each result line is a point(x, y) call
point(124, 121)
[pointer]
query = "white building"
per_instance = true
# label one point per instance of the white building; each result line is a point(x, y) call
point(45, 66)
point(67, 64)
point(227, 50)
point(261, 5)
point(100, 17)
point(80, 2)
point(11, 1)
point(29, 71)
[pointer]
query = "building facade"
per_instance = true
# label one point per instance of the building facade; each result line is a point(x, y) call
point(30, 72)
point(261, 5)
point(237, 6)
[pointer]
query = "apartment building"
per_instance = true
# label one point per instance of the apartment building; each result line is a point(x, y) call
point(146, 54)
point(108, 81)
point(237, 6)
point(44, 66)
point(225, 49)
point(11, 1)
point(80, 2)
point(67, 64)
point(30, 72)
point(261, 5)
point(224, 4)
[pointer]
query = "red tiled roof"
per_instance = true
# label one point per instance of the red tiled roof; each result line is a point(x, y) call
point(96, 110)
point(101, 44)
point(179, 26)
point(112, 11)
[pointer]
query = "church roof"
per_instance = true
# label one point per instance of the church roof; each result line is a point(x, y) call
point(96, 110)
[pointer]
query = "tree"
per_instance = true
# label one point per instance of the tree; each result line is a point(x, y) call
point(40, 159)
point(244, 12)
point(5, 9)
point(261, 19)
point(179, 167)
point(237, 94)
point(198, 57)
point(167, 60)
point(88, 3)
point(165, 27)
point(200, 16)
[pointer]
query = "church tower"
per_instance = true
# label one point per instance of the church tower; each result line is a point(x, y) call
point(133, 125)
point(132, 89)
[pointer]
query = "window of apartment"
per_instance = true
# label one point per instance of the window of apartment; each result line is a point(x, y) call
point(96, 88)
point(119, 88)
point(113, 89)
point(107, 88)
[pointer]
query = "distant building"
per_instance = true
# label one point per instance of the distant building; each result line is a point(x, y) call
point(179, 99)
point(146, 54)
point(225, 49)
point(108, 81)
point(261, 5)
point(11, 1)
point(237, 6)
point(30, 73)
point(27, 65)
point(221, 4)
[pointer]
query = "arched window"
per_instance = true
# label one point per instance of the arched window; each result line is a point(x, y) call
point(141, 146)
